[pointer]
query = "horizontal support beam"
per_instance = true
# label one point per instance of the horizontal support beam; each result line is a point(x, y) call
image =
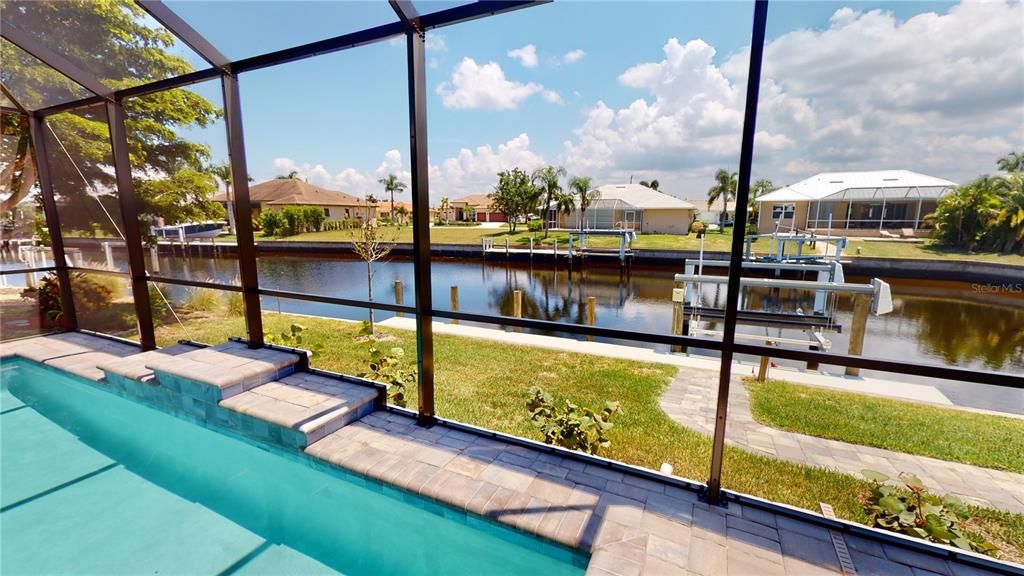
point(102, 271)
point(898, 367)
point(473, 11)
point(366, 304)
point(780, 283)
point(27, 270)
point(194, 283)
point(321, 47)
point(136, 91)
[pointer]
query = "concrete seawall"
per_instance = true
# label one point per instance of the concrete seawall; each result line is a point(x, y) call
point(954, 270)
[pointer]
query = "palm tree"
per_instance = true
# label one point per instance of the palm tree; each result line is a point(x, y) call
point(760, 188)
point(1012, 162)
point(585, 196)
point(1010, 220)
point(293, 175)
point(391, 185)
point(564, 202)
point(546, 180)
point(724, 188)
point(653, 184)
point(222, 172)
point(444, 208)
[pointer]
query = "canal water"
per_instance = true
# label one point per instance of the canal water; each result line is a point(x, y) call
point(946, 323)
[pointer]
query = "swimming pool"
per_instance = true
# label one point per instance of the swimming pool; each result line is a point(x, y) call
point(92, 483)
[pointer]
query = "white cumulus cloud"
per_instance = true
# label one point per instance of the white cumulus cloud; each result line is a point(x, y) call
point(940, 93)
point(573, 56)
point(527, 55)
point(483, 86)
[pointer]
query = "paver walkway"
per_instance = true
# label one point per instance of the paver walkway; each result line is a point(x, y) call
point(690, 401)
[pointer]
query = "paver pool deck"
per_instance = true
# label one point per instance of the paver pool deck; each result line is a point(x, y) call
point(631, 523)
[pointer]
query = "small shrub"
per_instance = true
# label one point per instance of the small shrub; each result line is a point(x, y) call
point(535, 225)
point(312, 218)
point(94, 293)
point(292, 338)
point(918, 513)
point(294, 220)
point(201, 299)
point(389, 368)
point(47, 295)
point(696, 226)
point(157, 304)
point(271, 222)
point(235, 303)
point(571, 426)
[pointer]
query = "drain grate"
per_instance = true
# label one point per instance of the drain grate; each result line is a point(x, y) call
point(839, 543)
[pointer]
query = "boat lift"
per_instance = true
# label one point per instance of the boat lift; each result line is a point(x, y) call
point(786, 256)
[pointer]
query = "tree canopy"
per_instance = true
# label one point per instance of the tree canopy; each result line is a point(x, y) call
point(111, 41)
point(515, 196)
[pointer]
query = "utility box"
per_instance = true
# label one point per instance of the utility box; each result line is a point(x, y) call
point(679, 295)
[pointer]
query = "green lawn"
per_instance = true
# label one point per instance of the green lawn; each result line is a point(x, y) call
point(944, 433)
point(486, 383)
point(714, 241)
point(928, 250)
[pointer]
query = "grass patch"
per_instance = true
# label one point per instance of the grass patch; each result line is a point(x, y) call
point(487, 383)
point(943, 433)
point(928, 250)
point(714, 241)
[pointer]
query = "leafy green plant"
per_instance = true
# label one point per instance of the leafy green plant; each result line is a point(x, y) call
point(919, 513)
point(571, 426)
point(535, 225)
point(271, 222)
point(158, 305)
point(47, 294)
point(292, 338)
point(391, 369)
point(235, 303)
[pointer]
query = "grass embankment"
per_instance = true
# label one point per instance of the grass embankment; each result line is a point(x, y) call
point(944, 433)
point(927, 250)
point(714, 241)
point(486, 383)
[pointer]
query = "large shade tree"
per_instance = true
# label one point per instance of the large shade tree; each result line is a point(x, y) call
point(113, 42)
point(514, 196)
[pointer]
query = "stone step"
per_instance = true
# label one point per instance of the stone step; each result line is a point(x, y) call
point(224, 370)
point(134, 367)
point(304, 407)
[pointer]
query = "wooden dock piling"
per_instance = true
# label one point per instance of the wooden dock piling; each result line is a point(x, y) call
point(455, 302)
point(861, 307)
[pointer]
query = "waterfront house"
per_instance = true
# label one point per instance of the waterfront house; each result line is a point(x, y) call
point(480, 209)
point(711, 212)
point(631, 206)
point(280, 192)
point(874, 203)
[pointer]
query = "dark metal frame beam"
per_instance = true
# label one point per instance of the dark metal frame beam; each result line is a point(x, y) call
point(37, 129)
point(732, 296)
point(186, 33)
point(407, 13)
point(130, 224)
point(21, 110)
point(243, 209)
point(26, 42)
point(420, 187)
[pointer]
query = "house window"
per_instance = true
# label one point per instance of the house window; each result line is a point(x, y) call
point(347, 213)
point(783, 211)
point(327, 212)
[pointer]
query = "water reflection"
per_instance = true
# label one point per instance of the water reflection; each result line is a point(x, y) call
point(946, 323)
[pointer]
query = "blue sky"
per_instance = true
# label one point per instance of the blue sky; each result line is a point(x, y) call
point(620, 89)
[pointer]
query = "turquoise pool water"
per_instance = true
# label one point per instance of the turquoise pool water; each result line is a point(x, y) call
point(92, 483)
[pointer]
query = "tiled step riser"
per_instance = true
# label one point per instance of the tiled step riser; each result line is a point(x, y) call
point(213, 394)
